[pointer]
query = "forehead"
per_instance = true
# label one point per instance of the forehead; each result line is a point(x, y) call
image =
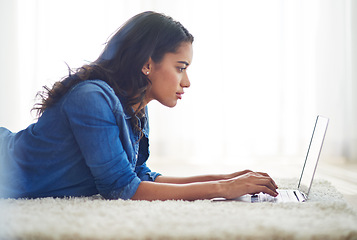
point(183, 53)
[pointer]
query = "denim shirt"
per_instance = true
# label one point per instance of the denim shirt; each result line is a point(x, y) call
point(81, 146)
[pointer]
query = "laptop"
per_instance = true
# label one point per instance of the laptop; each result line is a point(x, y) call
point(300, 194)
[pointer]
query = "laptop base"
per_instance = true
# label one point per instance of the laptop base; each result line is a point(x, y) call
point(284, 196)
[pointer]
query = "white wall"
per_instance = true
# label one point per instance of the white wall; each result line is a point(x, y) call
point(9, 111)
point(261, 71)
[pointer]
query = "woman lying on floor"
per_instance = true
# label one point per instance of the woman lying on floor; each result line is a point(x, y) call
point(92, 132)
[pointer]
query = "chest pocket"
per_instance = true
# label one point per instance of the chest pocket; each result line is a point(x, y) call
point(144, 152)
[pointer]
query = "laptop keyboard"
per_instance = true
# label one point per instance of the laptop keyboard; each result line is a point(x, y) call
point(288, 195)
point(284, 196)
point(263, 198)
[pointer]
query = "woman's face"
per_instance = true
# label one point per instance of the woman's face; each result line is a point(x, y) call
point(169, 77)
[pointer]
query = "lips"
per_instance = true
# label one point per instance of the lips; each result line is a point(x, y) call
point(179, 95)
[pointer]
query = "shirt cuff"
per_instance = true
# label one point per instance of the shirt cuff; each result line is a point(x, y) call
point(126, 192)
point(150, 176)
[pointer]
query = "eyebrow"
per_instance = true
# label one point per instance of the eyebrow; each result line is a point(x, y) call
point(184, 62)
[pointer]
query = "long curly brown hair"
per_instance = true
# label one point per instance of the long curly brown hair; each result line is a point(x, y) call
point(148, 34)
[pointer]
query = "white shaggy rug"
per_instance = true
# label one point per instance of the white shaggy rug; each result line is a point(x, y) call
point(325, 216)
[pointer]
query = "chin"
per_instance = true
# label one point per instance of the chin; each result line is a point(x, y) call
point(170, 105)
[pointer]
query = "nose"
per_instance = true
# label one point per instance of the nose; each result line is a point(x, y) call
point(185, 82)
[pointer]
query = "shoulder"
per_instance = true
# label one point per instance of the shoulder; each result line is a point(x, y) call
point(93, 86)
point(94, 93)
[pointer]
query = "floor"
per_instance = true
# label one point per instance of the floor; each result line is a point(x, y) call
point(342, 175)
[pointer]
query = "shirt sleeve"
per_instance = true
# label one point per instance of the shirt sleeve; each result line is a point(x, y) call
point(145, 174)
point(93, 123)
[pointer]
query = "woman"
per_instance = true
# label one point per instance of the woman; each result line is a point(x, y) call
point(92, 133)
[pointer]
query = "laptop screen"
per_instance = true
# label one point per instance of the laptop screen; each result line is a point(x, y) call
point(313, 154)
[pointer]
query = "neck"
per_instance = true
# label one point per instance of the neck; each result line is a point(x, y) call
point(137, 106)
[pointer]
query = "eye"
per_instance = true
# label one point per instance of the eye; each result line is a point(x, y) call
point(181, 69)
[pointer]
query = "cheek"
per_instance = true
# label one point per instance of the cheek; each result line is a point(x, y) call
point(168, 81)
point(173, 80)
point(165, 81)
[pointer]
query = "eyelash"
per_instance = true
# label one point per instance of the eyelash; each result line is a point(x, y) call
point(181, 69)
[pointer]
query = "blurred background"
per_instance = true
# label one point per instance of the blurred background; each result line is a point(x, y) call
point(262, 70)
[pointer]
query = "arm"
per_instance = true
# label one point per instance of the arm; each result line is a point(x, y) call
point(249, 183)
point(165, 191)
point(202, 178)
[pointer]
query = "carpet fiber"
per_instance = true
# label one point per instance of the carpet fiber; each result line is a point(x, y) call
point(325, 216)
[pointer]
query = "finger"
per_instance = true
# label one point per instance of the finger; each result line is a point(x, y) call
point(261, 184)
point(267, 183)
point(267, 190)
point(267, 175)
point(260, 179)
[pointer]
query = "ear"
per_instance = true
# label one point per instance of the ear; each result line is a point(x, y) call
point(147, 67)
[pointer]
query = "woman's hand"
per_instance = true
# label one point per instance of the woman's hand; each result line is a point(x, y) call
point(248, 182)
point(227, 186)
